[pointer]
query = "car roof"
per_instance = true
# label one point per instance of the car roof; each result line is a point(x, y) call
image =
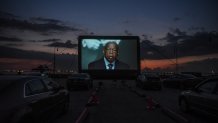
point(79, 74)
point(7, 80)
point(16, 77)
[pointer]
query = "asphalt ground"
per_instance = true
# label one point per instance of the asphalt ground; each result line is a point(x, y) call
point(168, 100)
point(78, 101)
point(123, 102)
point(117, 104)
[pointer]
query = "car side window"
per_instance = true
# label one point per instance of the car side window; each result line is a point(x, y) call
point(50, 84)
point(27, 90)
point(34, 86)
point(208, 87)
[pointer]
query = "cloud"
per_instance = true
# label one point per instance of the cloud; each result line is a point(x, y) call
point(13, 45)
point(207, 65)
point(195, 28)
point(46, 20)
point(10, 39)
point(27, 25)
point(67, 44)
point(47, 40)
point(41, 25)
point(127, 32)
point(200, 43)
point(15, 58)
point(175, 35)
point(170, 38)
point(7, 52)
point(7, 15)
point(178, 32)
point(151, 51)
point(197, 44)
point(176, 19)
point(23, 64)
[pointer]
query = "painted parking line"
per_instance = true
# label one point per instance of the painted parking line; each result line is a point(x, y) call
point(83, 115)
point(175, 116)
point(179, 118)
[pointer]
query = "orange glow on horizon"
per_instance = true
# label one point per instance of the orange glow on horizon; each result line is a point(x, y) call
point(164, 63)
point(152, 64)
point(25, 64)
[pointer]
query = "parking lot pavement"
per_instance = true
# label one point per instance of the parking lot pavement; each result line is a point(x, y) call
point(78, 100)
point(119, 105)
point(168, 99)
point(124, 102)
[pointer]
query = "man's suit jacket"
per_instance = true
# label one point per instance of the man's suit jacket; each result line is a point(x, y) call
point(100, 64)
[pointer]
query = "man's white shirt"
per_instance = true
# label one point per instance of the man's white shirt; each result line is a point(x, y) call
point(107, 64)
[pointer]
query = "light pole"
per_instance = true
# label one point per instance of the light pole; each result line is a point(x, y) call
point(211, 35)
point(54, 62)
point(176, 55)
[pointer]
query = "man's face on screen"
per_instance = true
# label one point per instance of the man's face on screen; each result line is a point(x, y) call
point(111, 52)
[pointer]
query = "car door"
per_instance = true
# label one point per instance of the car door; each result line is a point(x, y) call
point(215, 103)
point(204, 97)
point(57, 94)
point(212, 100)
point(37, 96)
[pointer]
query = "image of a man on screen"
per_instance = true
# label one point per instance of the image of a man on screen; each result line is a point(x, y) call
point(109, 61)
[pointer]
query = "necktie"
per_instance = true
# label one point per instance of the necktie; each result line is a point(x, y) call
point(110, 66)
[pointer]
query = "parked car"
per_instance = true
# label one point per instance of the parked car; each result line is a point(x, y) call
point(149, 81)
point(181, 81)
point(79, 81)
point(32, 99)
point(203, 97)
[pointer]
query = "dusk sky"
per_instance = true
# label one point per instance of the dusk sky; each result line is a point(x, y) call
point(29, 31)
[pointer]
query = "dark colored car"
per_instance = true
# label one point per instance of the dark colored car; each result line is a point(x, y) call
point(203, 97)
point(31, 99)
point(181, 81)
point(149, 81)
point(79, 81)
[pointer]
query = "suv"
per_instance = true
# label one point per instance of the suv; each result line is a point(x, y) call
point(78, 81)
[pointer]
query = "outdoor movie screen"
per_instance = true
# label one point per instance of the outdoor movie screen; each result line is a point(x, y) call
point(108, 54)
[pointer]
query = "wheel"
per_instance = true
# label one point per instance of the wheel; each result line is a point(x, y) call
point(184, 107)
